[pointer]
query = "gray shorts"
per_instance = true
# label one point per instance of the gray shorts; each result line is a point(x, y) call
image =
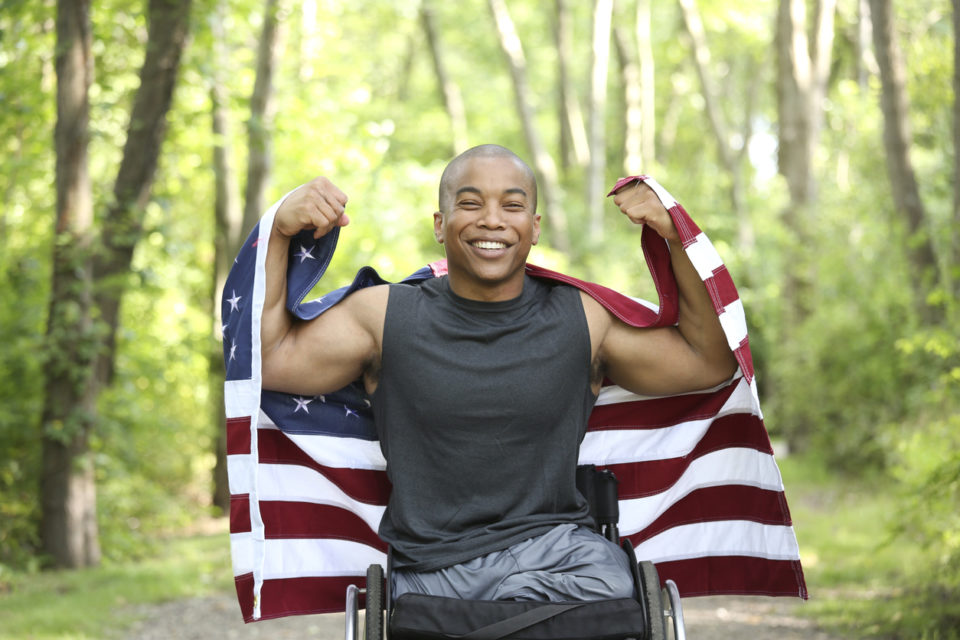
point(566, 563)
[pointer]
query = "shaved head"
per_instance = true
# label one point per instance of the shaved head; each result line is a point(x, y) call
point(452, 173)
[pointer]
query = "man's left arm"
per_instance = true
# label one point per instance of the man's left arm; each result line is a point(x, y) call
point(690, 356)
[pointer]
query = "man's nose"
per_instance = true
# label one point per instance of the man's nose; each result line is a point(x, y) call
point(491, 217)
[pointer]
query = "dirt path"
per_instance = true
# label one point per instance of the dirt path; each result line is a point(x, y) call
point(218, 617)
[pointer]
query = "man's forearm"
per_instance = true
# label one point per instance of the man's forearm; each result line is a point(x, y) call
point(698, 321)
point(275, 321)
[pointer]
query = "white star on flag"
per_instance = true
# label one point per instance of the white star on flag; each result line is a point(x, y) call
point(302, 404)
point(305, 253)
point(233, 301)
point(350, 412)
point(233, 350)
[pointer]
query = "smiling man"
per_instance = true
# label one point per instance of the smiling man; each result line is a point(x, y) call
point(482, 381)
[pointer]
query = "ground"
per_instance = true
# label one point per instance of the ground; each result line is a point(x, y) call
point(713, 618)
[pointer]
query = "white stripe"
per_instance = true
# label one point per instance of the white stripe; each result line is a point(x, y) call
point(704, 256)
point(617, 446)
point(734, 323)
point(739, 466)
point(725, 538)
point(646, 303)
point(241, 468)
point(614, 394)
point(665, 197)
point(756, 396)
point(335, 451)
point(241, 552)
point(301, 484)
point(256, 314)
point(241, 398)
point(309, 557)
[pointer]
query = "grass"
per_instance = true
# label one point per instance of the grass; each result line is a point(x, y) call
point(863, 582)
point(94, 603)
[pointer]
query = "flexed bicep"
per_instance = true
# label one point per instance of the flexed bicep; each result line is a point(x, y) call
point(332, 350)
point(656, 361)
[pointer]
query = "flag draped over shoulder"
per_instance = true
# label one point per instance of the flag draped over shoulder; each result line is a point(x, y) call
point(700, 492)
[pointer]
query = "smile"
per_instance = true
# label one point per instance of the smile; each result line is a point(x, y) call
point(488, 244)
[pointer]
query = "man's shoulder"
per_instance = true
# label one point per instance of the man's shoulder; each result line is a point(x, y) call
point(372, 298)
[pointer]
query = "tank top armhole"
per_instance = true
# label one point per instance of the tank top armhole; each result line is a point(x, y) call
point(581, 318)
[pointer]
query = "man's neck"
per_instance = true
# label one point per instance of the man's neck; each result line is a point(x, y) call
point(486, 292)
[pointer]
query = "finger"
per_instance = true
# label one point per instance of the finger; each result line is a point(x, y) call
point(327, 214)
point(330, 192)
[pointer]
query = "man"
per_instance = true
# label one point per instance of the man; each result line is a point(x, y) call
point(481, 383)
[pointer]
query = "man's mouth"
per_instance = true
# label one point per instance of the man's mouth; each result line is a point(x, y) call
point(488, 244)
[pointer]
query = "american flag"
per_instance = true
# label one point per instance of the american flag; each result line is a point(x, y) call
point(700, 492)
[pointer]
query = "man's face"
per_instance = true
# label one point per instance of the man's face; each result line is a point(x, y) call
point(489, 228)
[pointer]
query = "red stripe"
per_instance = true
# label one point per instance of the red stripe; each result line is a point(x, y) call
point(654, 413)
point(623, 307)
point(285, 519)
point(364, 485)
point(745, 358)
point(244, 586)
point(685, 225)
point(299, 596)
point(238, 435)
point(721, 288)
point(714, 504)
point(240, 513)
point(639, 479)
point(717, 575)
point(735, 575)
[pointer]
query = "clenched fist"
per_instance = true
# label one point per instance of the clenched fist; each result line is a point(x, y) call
point(317, 205)
point(639, 203)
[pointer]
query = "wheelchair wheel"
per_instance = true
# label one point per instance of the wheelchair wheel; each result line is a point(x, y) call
point(654, 598)
point(373, 613)
point(674, 610)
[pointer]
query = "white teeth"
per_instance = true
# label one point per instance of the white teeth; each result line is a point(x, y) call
point(484, 244)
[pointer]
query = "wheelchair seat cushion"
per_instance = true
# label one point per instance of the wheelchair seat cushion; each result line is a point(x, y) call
point(421, 616)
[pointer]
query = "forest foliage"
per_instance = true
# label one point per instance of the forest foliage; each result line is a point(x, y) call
point(851, 368)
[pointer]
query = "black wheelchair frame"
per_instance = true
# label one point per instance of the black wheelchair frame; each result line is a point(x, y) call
point(643, 618)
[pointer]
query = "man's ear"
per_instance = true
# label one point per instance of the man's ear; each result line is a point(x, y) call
point(438, 226)
point(536, 228)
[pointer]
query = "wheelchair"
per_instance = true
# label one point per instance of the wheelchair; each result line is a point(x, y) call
point(654, 613)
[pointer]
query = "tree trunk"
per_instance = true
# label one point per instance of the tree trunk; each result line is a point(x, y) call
point(632, 103)
point(897, 139)
point(802, 63)
point(122, 224)
point(794, 78)
point(574, 150)
point(701, 61)
point(260, 146)
point(452, 99)
point(648, 129)
point(68, 527)
point(543, 164)
point(730, 159)
point(78, 366)
point(955, 257)
point(228, 236)
point(599, 65)
point(864, 53)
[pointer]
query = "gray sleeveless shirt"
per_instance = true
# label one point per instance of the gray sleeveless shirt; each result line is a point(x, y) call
point(480, 409)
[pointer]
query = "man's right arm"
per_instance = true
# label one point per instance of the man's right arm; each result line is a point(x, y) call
point(329, 352)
